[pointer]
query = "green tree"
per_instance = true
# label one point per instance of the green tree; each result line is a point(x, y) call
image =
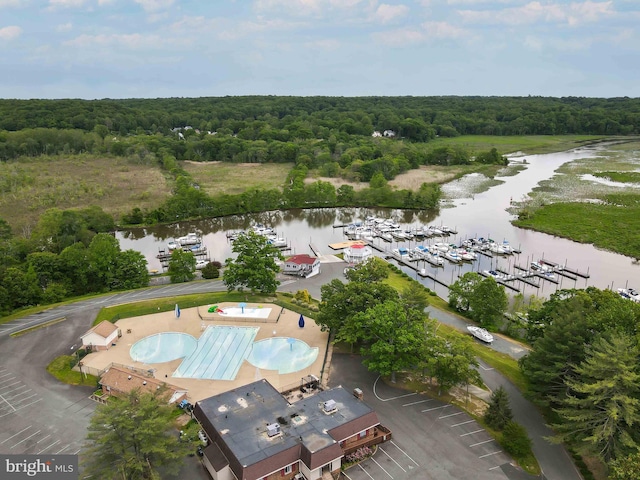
point(499, 412)
point(255, 265)
point(131, 270)
point(488, 302)
point(134, 438)
point(601, 413)
point(339, 301)
point(373, 270)
point(453, 363)
point(461, 291)
point(182, 266)
point(393, 338)
point(103, 250)
point(625, 468)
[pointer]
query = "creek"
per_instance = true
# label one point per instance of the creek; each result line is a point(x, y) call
point(481, 214)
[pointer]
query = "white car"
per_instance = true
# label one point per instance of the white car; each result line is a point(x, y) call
point(200, 264)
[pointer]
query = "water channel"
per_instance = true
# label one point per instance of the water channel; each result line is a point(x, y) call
point(479, 215)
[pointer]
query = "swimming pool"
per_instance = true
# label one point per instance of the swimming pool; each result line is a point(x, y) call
point(219, 353)
point(286, 355)
point(163, 347)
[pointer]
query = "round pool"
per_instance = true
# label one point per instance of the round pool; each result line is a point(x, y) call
point(163, 347)
point(286, 355)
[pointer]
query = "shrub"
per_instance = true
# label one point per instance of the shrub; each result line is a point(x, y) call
point(359, 455)
point(515, 440)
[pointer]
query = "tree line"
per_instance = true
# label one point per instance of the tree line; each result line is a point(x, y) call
point(272, 117)
point(584, 370)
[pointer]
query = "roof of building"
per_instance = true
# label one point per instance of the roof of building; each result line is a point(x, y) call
point(242, 415)
point(104, 329)
point(124, 381)
point(302, 259)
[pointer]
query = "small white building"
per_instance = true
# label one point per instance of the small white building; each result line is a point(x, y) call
point(389, 133)
point(357, 253)
point(101, 337)
point(303, 265)
point(376, 134)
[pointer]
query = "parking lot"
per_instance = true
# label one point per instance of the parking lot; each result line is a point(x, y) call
point(25, 433)
point(432, 440)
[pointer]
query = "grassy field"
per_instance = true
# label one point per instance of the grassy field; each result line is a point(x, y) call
point(217, 178)
point(32, 185)
point(531, 144)
point(574, 207)
point(602, 230)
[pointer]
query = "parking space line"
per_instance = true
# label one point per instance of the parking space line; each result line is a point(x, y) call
point(382, 468)
point(25, 439)
point(481, 443)
point(29, 404)
point(485, 368)
point(392, 398)
point(47, 448)
point(26, 398)
point(76, 452)
point(7, 379)
point(361, 468)
point(489, 454)
point(15, 435)
point(462, 423)
point(13, 399)
point(43, 439)
point(416, 403)
point(405, 453)
point(392, 459)
point(343, 473)
point(471, 433)
point(16, 389)
point(451, 415)
point(493, 468)
point(436, 408)
point(6, 374)
point(8, 404)
point(62, 449)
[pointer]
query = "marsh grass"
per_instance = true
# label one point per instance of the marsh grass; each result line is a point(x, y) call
point(589, 212)
point(112, 183)
point(217, 178)
point(530, 144)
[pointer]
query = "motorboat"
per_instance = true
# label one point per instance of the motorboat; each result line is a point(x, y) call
point(386, 236)
point(480, 333)
point(630, 294)
point(452, 256)
point(400, 252)
point(434, 259)
point(440, 247)
point(172, 245)
point(189, 239)
point(493, 273)
point(467, 255)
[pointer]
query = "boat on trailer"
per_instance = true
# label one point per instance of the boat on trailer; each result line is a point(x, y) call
point(480, 333)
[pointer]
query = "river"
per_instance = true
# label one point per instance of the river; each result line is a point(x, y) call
point(480, 215)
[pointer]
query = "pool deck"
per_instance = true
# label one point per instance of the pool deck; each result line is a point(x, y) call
point(193, 321)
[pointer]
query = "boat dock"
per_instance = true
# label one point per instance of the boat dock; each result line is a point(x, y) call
point(557, 268)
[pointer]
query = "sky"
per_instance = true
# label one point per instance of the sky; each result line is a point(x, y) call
point(194, 48)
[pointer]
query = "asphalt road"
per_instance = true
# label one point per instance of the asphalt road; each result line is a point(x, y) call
point(43, 415)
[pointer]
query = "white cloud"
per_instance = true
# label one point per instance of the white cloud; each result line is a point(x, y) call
point(66, 3)
point(64, 27)
point(154, 5)
point(535, 12)
point(386, 13)
point(307, 7)
point(400, 37)
point(133, 41)
point(443, 30)
point(105, 2)
point(9, 3)
point(324, 44)
point(10, 32)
